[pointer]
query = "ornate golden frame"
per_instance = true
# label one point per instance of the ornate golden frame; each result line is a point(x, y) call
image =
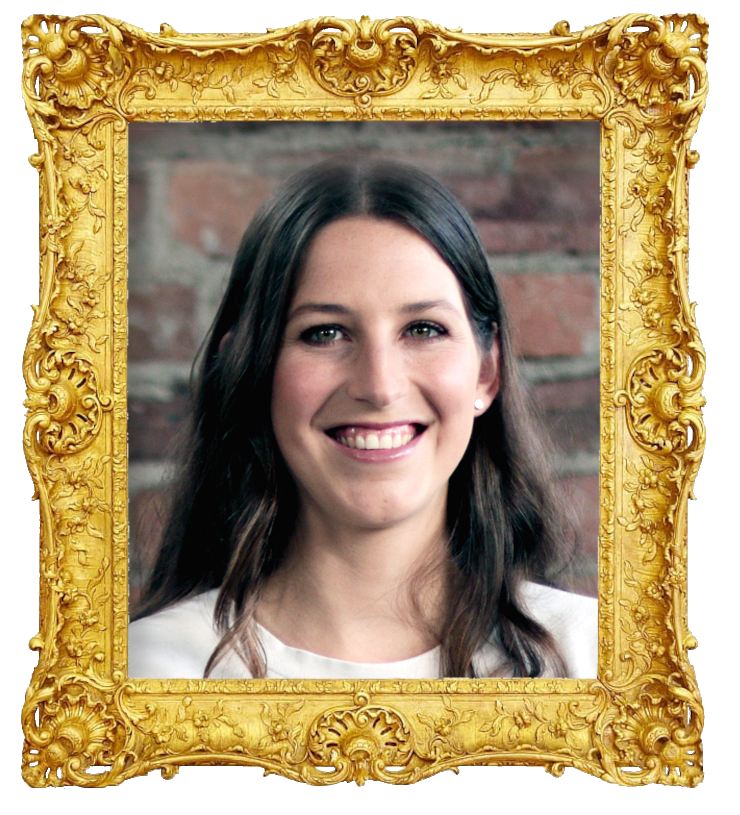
point(85, 721)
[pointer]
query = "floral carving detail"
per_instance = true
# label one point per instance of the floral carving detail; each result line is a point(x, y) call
point(643, 626)
point(360, 742)
point(648, 191)
point(512, 727)
point(84, 624)
point(567, 74)
point(533, 723)
point(563, 72)
point(444, 741)
point(283, 72)
point(654, 67)
point(441, 71)
point(648, 295)
point(209, 726)
point(201, 75)
point(560, 726)
point(153, 722)
point(283, 732)
point(650, 493)
point(69, 64)
point(649, 197)
point(655, 153)
point(164, 73)
point(199, 725)
point(74, 498)
point(81, 601)
point(364, 59)
point(82, 172)
point(664, 401)
point(78, 301)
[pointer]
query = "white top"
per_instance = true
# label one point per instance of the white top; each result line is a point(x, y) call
point(177, 642)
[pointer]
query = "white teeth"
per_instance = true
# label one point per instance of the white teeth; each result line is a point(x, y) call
point(366, 439)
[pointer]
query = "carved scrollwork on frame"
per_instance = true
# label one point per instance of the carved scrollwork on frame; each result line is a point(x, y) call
point(364, 59)
point(66, 408)
point(361, 742)
point(72, 724)
point(664, 402)
point(84, 79)
point(659, 734)
point(71, 67)
point(653, 66)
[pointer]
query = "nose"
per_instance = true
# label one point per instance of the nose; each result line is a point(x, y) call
point(377, 374)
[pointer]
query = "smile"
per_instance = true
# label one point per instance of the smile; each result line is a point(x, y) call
point(389, 437)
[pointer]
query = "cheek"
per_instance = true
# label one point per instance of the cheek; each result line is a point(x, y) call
point(298, 390)
point(452, 380)
point(453, 391)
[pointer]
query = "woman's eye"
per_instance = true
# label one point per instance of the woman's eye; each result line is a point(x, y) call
point(322, 335)
point(425, 331)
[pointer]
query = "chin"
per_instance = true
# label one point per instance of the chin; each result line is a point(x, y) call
point(378, 522)
point(385, 511)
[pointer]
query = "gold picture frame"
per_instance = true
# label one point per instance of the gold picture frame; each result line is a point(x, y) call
point(85, 721)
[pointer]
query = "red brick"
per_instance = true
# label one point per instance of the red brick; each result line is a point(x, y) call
point(513, 235)
point(551, 314)
point(533, 199)
point(481, 197)
point(161, 322)
point(571, 421)
point(569, 394)
point(153, 426)
point(567, 163)
point(556, 183)
point(211, 204)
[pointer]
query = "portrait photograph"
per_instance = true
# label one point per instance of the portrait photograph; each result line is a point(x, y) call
point(532, 190)
point(354, 438)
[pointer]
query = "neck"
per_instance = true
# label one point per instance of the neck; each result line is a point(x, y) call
point(362, 595)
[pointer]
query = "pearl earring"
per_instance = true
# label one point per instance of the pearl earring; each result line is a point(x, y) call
point(479, 404)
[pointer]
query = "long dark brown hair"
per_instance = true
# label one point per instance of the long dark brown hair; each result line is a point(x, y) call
point(234, 502)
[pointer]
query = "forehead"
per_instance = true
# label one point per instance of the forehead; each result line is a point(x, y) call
point(362, 253)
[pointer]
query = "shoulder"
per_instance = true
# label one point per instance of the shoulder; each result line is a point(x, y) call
point(573, 621)
point(174, 643)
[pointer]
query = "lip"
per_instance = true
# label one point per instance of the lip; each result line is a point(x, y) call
point(377, 456)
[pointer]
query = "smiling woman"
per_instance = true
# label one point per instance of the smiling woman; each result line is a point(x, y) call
point(393, 381)
point(362, 493)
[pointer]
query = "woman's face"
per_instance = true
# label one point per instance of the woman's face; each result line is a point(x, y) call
point(376, 381)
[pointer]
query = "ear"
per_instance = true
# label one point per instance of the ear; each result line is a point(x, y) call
point(224, 341)
point(489, 380)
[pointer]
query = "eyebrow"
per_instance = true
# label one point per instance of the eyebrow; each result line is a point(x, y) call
point(335, 308)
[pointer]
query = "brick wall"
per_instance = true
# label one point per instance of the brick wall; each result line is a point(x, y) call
point(532, 188)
